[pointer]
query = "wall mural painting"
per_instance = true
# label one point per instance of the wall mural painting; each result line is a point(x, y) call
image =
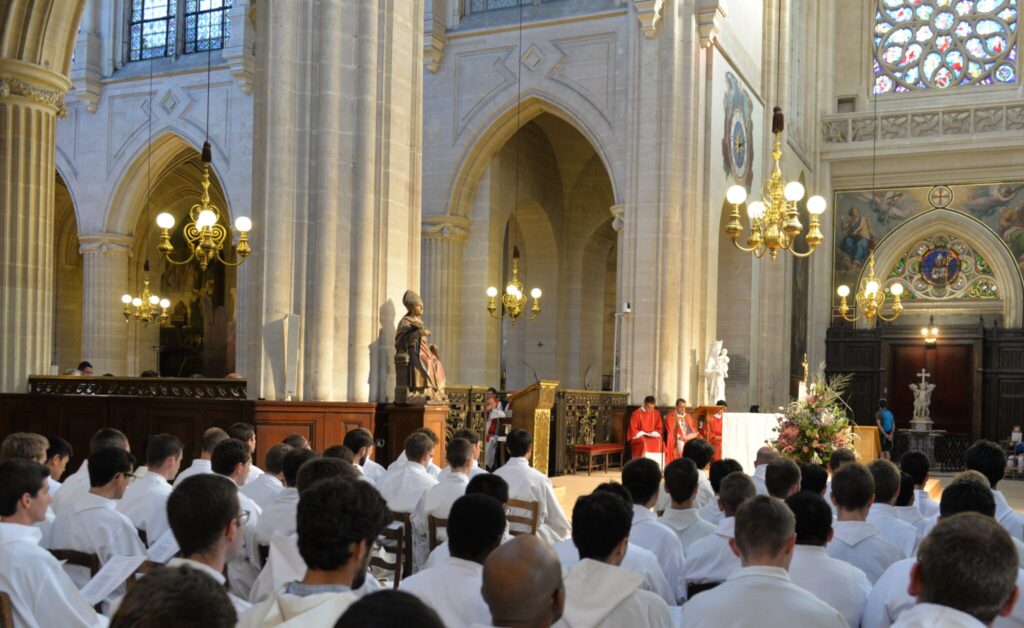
point(864, 218)
point(737, 144)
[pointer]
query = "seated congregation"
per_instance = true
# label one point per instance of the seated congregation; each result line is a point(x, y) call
point(334, 539)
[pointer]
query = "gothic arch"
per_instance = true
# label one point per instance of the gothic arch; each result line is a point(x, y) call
point(40, 32)
point(944, 221)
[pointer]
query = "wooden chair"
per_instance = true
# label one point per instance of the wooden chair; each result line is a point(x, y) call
point(264, 552)
point(433, 524)
point(6, 611)
point(393, 540)
point(142, 537)
point(405, 519)
point(147, 567)
point(79, 559)
point(530, 522)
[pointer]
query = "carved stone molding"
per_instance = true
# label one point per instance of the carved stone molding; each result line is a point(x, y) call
point(618, 216)
point(445, 226)
point(105, 243)
point(18, 87)
point(648, 13)
point(710, 15)
point(238, 50)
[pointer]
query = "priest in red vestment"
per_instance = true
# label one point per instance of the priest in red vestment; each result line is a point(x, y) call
point(681, 427)
point(645, 433)
point(714, 429)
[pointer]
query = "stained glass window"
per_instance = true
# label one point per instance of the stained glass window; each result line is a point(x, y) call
point(922, 44)
point(151, 29)
point(479, 6)
point(207, 25)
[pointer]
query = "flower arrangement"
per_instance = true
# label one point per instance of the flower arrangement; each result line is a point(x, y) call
point(813, 427)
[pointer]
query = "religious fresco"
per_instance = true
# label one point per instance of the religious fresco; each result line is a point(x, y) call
point(864, 218)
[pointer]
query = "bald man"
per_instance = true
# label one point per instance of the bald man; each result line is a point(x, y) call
point(523, 584)
point(765, 456)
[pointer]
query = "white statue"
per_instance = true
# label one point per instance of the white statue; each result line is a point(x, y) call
point(716, 370)
point(922, 396)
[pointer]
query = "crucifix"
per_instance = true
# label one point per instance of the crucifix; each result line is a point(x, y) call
point(924, 375)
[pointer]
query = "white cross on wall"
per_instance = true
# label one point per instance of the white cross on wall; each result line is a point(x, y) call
point(924, 375)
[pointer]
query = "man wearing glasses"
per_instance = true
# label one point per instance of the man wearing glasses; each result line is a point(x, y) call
point(232, 459)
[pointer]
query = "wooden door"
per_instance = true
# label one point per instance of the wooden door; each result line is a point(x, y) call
point(949, 367)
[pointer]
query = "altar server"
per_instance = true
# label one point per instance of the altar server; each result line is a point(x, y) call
point(246, 432)
point(270, 483)
point(440, 497)
point(641, 477)
point(839, 457)
point(681, 428)
point(279, 516)
point(473, 438)
point(906, 508)
point(711, 511)
point(988, 459)
point(145, 500)
point(211, 438)
point(528, 484)
point(34, 447)
point(231, 459)
point(765, 456)
point(681, 480)
point(78, 482)
point(782, 478)
point(701, 452)
point(476, 525)
point(813, 478)
point(523, 584)
point(883, 514)
point(710, 560)
point(836, 583)
point(484, 484)
point(429, 465)
point(646, 433)
point(403, 487)
point(58, 455)
point(854, 539)
point(598, 591)
point(41, 592)
point(360, 441)
point(760, 593)
point(916, 463)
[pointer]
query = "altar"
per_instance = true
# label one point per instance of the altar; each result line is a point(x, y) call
point(743, 433)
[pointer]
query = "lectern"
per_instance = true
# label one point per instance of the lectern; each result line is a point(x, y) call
point(531, 411)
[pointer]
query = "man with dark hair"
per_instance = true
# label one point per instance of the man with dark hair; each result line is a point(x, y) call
point(78, 482)
point(476, 526)
point(760, 593)
point(388, 609)
point(211, 438)
point(854, 539)
point(145, 501)
point(431, 468)
point(85, 367)
point(645, 433)
point(279, 516)
point(246, 432)
point(710, 560)
point(838, 458)
point(494, 412)
point(439, 498)
point(988, 459)
point(782, 478)
point(886, 428)
point(523, 584)
point(296, 441)
point(58, 455)
point(701, 453)
point(836, 583)
point(711, 511)
point(642, 478)
point(680, 427)
point(360, 441)
point(916, 463)
point(883, 514)
point(180, 597)
point(41, 593)
point(317, 469)
point(91, 523)
point(765, 456)
point(209, 526)
point(338, 522)
point(813, 478)
point(598, 591)
point(231, 458)
point(907, 510)
point(473, 438)
point(681, 480)
point(405, 485)
point(270, 483)
point(483, 484)
point(528, 484)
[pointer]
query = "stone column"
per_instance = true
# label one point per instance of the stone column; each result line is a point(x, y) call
point(31, 98)
point(620, 370)
point(443, 237)
point(104, 280)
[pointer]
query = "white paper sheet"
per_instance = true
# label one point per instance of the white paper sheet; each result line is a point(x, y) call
point(112, 575)
point(164, 549)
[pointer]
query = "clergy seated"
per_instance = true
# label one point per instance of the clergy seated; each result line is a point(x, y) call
point(906, 507)
point(813, 478)
point(267, 486)
point(700, 452)
point(765, 456)
point(760, 593)
point(836, 583)
point(642, 478)
point(41, 593)
point(338, 521)
point(711, 560)
point(476, 526)
point(523, 584)
point(473, 438)
point(176, 596)
point(360, 441)
point(484, 484)
point(429, 465)
point(404, 485)
point(916, 463)
point(231, 458)
point(528, 484)
point(279, 516)
point(988, 459)
point(711, 512)
point(78, 482)
point(854, 539)
point(889, 599)
point(33, 447)
point(839, 457)
point(211, 438)
point(208, 523)
point(637, 559)
point(145, 500)
point(782, 478)
point(883, 514)
point(387, 609)
point(682, 480)
point(440, 497)
point(58, 455)
point(646, 433)
point(598, 591)
point(246, 432)
point(967, 575)
point(90, 523)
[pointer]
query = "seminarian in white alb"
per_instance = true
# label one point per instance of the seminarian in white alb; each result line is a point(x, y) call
point(511, 313)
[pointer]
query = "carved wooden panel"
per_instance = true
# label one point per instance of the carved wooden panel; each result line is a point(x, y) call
point(177, 387)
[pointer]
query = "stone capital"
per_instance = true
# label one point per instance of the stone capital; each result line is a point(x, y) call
point(710, 15)
point(648, 13)
point(33, 83)
point(444, 226)
point(618, 216)
point(105, 243)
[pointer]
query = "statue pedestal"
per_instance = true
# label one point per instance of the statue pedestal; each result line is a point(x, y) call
point(402, 420)
point(923, 440)
point(921, 424)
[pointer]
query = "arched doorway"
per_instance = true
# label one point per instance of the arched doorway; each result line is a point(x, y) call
point(67, 281)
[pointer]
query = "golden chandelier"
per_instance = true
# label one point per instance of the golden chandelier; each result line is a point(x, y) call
point(870, 298)
point(775, 219)
point(147, 306)
point(513, 300)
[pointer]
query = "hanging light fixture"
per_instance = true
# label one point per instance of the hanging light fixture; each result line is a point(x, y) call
point(513, 301)
point(871, 298)
point(204, 234)
point(146, 307)
point(775, 218)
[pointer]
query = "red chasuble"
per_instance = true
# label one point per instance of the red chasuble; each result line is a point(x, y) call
point(679, 429)
point(644, 421)
point(714, 429)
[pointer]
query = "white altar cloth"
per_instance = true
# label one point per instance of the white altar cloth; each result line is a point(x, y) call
point(743, 433)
